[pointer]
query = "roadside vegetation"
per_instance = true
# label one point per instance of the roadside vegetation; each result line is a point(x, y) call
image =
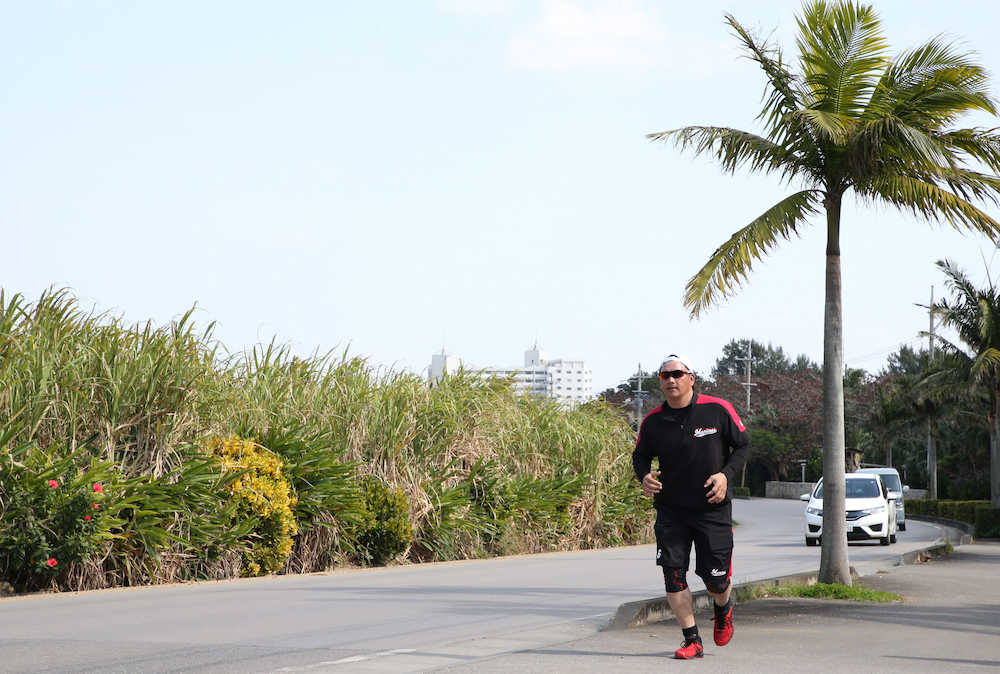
point(830, 591)
point(134, 454)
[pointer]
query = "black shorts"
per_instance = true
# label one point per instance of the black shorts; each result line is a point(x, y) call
point(711, 532)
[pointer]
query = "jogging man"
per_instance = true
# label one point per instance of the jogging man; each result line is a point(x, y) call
point(700, 445)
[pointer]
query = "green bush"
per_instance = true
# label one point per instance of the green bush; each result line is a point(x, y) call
point(53, 515)
point(922, 506)
point(626, 514)
point(492, 501)
point(453, 527)
point(962, 511)
point(741, 492)
point(965, 511)
point(987, 521)
point(947, 509)
point(386, 530)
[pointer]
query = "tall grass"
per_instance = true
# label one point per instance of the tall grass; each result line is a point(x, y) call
point(484, 472)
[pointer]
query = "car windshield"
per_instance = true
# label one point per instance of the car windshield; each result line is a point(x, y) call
point(862, 489)
point(892, 482)
point(855, 488)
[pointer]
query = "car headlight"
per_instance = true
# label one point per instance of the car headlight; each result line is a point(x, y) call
point(814, 511)
point(871, 511)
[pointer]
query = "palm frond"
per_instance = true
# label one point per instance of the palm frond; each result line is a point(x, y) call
point(930, 201)
point(975, 314)
point(781, 95)
point(930, 88)
point(830, 126)
point(733, 148)
point(972, 184)
point(842, 53)
point(932, 81)
point(958, 282)
point(730, 265)
point(962, 316)
point(986, 365)
point(891, 141)
point(979, 144)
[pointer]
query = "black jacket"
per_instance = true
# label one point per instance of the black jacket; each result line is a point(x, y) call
point(691, 443)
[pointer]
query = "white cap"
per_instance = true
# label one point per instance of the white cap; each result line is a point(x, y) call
point(683, 360)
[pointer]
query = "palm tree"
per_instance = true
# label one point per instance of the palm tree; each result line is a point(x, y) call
point(975, 314)
point(849, 118)
point(918, 397)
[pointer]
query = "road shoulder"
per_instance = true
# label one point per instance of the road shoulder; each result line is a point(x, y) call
point(949, 620)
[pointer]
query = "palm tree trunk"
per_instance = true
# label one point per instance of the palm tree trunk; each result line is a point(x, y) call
point(932, 492)
point(995, 451)
point(833, 566)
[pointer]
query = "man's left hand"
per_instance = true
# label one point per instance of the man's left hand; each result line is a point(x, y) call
point(716, 485)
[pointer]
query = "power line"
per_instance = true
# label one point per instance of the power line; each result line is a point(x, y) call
point(885, 350)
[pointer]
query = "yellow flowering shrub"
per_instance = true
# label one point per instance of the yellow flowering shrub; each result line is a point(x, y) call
point(385, 530)
point(263, 493)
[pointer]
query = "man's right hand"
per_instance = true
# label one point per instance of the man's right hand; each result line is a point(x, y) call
point(650, 485)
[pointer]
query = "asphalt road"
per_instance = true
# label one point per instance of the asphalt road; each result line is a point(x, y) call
point(409, 618)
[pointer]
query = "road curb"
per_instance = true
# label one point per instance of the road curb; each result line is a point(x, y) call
point(657, 609)
point(955, 531)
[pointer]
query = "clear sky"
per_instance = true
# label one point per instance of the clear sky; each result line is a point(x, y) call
point(395, 177)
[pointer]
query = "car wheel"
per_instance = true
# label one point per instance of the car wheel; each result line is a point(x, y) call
point(812, 541)
point(884, 540)
point(902, 526)
point(892, 539)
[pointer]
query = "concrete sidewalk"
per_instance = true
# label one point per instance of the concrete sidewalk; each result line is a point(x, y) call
point(949, 620)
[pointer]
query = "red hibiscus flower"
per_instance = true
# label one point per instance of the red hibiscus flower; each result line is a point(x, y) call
point(53, 484)
point(87, 518)
point(96, 506)
point(98, 487)
point(51, 562)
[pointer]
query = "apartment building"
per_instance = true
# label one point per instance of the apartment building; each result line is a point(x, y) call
point(568, 381)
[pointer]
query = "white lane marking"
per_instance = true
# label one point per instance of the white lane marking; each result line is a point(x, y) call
point(403, 651)
point(344, 661)
point(362, 658)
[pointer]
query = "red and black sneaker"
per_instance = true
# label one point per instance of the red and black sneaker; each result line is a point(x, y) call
point(723, 631)
point(690, 649)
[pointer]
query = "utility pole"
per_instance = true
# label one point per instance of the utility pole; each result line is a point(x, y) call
point(748, 384)
point(638, 396)
point(931, 434)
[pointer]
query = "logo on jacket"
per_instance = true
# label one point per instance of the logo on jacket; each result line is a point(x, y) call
point(702, 432)
point(717, 572)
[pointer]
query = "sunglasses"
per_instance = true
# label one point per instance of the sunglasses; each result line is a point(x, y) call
point(673, 374)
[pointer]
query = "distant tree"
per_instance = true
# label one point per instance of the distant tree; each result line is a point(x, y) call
point(786, 417)
point(803, 362)
point(907, 361)
point(624, 395)
point(975, 314)
point(909, 403)
point(764, 358)
point(859, 401)
point(910, 393)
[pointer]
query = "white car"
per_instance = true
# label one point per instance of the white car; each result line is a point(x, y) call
point(890, 476)
point(870, 506)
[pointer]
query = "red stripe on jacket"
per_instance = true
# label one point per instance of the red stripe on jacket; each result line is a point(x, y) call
point(726, 405)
